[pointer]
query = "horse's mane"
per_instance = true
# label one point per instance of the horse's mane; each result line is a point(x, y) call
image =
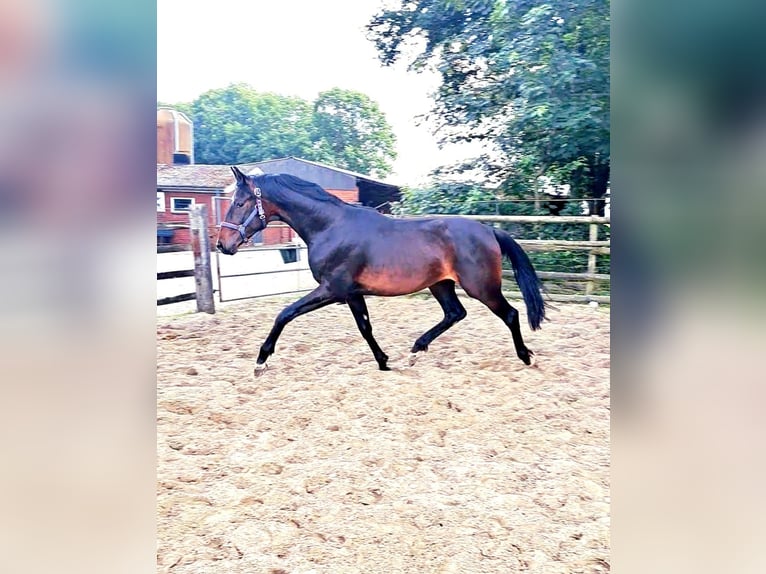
point(274, 184)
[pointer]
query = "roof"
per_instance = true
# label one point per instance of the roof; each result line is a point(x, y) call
point(372, 192)
point(194, 176)
point(348, 172)
point(208, 178)
point(165, 112)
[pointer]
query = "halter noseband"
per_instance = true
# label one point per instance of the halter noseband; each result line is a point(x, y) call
point(257, 211)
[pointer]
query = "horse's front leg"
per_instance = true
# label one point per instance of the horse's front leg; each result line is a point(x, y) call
point(318, 298)
point(362, 317)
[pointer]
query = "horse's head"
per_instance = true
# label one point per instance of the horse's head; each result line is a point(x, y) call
point(246, 215)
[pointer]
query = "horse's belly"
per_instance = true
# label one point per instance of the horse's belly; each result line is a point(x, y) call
point(390, 282)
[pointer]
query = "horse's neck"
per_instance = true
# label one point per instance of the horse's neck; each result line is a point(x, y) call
point(309, 217)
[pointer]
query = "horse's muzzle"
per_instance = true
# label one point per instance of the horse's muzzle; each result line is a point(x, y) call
point(224, 250)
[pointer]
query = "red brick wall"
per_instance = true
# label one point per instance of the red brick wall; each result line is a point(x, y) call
point(183, 236)
point(349, 196)
point(277, 233)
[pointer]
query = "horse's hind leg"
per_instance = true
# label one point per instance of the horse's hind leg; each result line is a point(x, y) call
point(362, 317)
point(444, 293)
point(510, 316)
point(492, 297)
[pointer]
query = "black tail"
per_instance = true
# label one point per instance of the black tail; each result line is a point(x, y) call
point(525, 276)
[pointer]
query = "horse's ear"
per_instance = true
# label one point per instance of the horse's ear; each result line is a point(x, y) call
point(238, 174)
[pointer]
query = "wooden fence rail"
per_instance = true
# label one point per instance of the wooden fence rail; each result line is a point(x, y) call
point(175, 274)
point(567, 276)
point(203, 274)
point(177, 299)
point(593, 246)
point(595, 219)
point(162, 275)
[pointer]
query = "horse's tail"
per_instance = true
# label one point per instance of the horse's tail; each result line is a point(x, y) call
point(525, 276)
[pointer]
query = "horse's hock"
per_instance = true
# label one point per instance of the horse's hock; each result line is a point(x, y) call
point(469, 461)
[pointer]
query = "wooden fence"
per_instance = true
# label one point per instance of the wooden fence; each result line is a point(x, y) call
point(175, 275)
point(202, 273)
point(593, 246)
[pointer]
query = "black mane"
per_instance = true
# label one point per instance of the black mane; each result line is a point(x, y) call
point(275, 185)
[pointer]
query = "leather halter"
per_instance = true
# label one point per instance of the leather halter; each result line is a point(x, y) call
point(257, 211)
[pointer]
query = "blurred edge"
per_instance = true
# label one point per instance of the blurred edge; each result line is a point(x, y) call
point(77, 403)
point(77, 155)
point(689, 213)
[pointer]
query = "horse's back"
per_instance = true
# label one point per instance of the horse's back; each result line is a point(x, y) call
point(466, 236)
point(449, 238)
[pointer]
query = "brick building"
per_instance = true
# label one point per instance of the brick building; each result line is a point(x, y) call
point(181, 186)
point(175, 137)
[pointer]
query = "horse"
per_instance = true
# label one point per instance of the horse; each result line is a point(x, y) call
point(355, 251)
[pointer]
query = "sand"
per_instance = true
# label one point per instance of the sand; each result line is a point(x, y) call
point(468, 461)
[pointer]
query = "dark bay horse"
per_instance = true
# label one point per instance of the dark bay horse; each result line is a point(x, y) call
point(355, 251)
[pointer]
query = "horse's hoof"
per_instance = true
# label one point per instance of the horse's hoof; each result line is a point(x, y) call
point(260, 369)
point(532, 360)
point(413, 358)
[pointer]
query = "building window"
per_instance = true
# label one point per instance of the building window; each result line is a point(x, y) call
point(181, 204)
point(160, 201)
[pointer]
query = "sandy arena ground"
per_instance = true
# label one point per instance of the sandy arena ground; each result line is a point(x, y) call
point(468, 462)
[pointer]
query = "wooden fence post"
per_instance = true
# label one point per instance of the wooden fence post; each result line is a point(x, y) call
point(203, 277)
point(592, 258)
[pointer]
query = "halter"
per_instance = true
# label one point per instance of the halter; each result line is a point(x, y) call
point(257, 211)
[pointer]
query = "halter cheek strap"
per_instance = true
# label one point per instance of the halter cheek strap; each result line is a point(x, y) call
point(257, 211)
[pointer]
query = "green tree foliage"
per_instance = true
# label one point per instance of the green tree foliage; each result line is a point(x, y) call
point(527, 76)
point(448, 198)
point(237, 124)
point(351, 131)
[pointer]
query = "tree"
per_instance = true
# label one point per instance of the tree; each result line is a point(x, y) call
point(352, 132)
point(237, 124)
point(452, 198)
point(530, 78)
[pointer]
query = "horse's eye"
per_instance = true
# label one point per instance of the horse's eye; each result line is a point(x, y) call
point(240, 203)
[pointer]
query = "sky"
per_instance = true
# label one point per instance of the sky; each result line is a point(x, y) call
point(297, 48)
